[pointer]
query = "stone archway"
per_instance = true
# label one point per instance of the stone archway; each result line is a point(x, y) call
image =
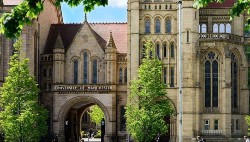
point(59, 126)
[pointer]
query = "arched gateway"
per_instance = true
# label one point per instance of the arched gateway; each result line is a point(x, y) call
point(69, 106)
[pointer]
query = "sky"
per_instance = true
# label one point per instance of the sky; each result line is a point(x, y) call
point(115, 11)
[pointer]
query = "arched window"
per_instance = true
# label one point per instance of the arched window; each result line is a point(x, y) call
point(172, 50)
point(85, 68)
point(143, 51)
point(164, 49)
point(234, 82)
point(164, 75)
point(125, 75)
point(215, 28)
point(228, 28)
point(203, 28)
point(168, 25)
point(222, 28)
point(172, 77)
point(157, 50)
point(75, 71)
point(95, 71)
point(50, 72)
point(44, 73)
point(157, 26)
point(147, 26)
point(120, 75)
point(211, 79)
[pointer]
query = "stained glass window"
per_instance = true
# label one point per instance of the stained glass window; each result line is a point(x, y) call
point(172, 77)
point(168, 26)
point(85, 67)
point(234, 74)
point(120, 75)
point(172, 50)
point(157, 26)
point(147, 26)
point(211, 80)
point(76, 71)
point(164, 50)
point(95, 70)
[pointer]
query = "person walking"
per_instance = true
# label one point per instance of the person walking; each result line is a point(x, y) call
point(246, 138)
point(199, 139)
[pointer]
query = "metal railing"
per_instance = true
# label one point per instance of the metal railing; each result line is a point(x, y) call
point(221, 36)
point(211, 132)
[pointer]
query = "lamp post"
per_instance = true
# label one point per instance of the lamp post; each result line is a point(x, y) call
point(180, 68)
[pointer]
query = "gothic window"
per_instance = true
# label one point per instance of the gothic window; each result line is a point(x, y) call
point(157, 26)
point(159, 6)
point(95, 71)
point(164, 49)
point(234, 82)
point(122, 119)
point(85, 67)
point(147, 26)
point(172, 50)
point(237, 124)
point(143, 51)
point(203, 28)
point(222, 28)
point(211, 80)
point(215, 28)
point(168, 25)
point(165, 75)
point(50, 72)
point(120, 75)
point(216, 124)
point(187, 35)
point(125, 75)
point(166, 6)
point(44, 73)
point(228, 28)
point(172, 77)
point(157, 50)
point(75, 71)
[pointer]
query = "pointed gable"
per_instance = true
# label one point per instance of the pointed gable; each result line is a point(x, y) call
point(59, 43)
point(111, 43)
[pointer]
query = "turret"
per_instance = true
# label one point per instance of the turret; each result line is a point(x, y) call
point(110, 58)
point(58, 61)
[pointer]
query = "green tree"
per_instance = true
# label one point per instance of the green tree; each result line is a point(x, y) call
point(96, 114)
point(21, 118)
point(11, 24)
point(238, 8)
point(148, 103)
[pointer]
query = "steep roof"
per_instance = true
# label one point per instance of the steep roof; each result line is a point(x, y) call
point(101, 32)
point(225, 4)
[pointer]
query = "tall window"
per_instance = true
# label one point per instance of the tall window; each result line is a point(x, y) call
point(187, 35)
point(50, 72)
point(157, 26)
point(165, 75)
point(172, 50)
point(95, 71)
point(228, 28)
point(44, 73)
point(147, 26)
point(206, 126)
point(164, 49)
point(168, 25)
point(75, 71)
point(237, 124)
point(120, 75)
point(215, 28)
point(125, 75)
point(157, 50)
point(172, 77)
point(216, 124)
point(203, 28)
point(222, 28)
point(234, 82)
point(122, 119)
point(211, 80)
point(85, 67)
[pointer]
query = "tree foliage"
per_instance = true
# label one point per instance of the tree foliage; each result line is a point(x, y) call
point(148, 102)
point(11, 24)
point(238, 8)
point(21, 117)
point(96, 114)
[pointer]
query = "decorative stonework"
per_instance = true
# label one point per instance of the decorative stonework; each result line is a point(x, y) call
point(85, 38)
point(213, 12)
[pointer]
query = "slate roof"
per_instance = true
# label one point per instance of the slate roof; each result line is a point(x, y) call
point(225, 4)
point(100, 30)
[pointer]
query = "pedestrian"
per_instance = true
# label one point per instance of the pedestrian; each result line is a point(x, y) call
point(199, 139)
point(246, 138)
point(90, 132)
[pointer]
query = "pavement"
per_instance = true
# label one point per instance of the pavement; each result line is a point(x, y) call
point(92, 140)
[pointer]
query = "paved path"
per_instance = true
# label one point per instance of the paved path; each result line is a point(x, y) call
point(92, 140)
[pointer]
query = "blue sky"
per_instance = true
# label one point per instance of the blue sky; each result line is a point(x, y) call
point(116, 11)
